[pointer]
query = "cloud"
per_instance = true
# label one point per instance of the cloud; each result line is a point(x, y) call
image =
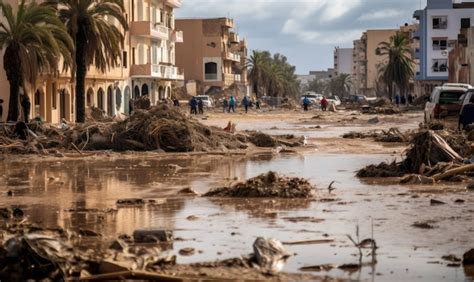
point(380, 15)
point(306, 31)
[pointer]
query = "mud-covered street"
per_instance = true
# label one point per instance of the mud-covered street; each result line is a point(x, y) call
point(413, 234)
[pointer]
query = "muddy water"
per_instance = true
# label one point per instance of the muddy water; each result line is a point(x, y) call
point(57, 193)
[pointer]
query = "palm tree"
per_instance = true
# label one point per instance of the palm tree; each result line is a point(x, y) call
point(34, 40)
point(340, 85)
point(275, 80)
point(399, 68)
point(97, 42)
point(258, 64)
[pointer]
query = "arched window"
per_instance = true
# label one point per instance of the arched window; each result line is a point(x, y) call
point(210, 70)
point(136, 92)
point(118, 99)
point(145, 89)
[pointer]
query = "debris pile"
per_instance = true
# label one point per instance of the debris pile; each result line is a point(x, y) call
point(268, 185)
point(430, 158)
point(160, 128)
point(392, 135)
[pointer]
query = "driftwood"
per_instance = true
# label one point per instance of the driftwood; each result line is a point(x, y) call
point(452, 172)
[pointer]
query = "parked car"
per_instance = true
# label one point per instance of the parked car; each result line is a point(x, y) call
point(444, 101)
point(334, 100)
point(206, 101)
point(357, 99)
point(313, 98)
point(463, 85)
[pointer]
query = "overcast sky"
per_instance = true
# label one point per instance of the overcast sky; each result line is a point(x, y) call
point(306, 31)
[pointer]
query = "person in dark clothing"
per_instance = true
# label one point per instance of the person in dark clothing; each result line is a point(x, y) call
point(130, 107)
point(246, 102)
point(1, 110)
point(201, 106)
point(403, 100)
point(466, 117)
point(397, 100)
point(176, 102)
point(410, 99)
point(257, 104)
point(26, 105)
point(193, 103)
point(225, 105)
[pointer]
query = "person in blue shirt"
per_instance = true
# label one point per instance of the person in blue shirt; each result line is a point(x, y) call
point(306, 103)
point(193, 104)
point(466, 117)
point(232, 104)
point(246, 103)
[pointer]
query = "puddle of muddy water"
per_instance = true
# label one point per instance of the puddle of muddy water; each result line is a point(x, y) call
point(227, 228)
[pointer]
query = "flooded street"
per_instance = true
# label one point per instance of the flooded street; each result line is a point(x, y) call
point(82, 194)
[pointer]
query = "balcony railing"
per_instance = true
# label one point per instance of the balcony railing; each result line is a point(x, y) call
point(156, 71)
point(178, 36)
point(234, 38)
point(149, 29)
point(231, 56)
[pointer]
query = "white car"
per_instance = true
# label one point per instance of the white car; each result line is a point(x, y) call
point(313, 98)
point(206, 101)
point(334, 100)
point(444, 101)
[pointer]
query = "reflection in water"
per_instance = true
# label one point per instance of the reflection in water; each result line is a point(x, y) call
point(82, 195)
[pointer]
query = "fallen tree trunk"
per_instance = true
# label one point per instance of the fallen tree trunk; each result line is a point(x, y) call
point(452, 172)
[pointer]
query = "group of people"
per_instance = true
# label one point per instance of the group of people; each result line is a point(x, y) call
point(403, 100)
point(230, 104)
point(324, 104)
point(197, 106)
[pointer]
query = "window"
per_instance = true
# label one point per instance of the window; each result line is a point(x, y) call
point(440, 43)
point(440, 22)
point(440, 65)
point(466, 23)
point(124, 60)
point(210, 70)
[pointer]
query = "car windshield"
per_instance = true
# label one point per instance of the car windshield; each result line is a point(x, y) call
point(450, 97)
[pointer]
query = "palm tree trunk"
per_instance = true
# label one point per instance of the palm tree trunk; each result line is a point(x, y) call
point(12, 66)
point(81, 72)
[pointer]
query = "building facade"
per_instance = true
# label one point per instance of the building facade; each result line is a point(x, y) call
point(343, 60)
point(440, 25)
point(367, 62)
point(214, 56)
point(147, 68)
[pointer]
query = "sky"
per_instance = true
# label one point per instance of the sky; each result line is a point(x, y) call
point(306, 31)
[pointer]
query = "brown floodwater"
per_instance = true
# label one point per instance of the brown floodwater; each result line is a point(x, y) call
point(59, 193)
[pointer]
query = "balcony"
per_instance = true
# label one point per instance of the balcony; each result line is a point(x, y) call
point(177, 36)
point(228, 23)
point(174, 3)
point(231, 56)
point(417, 53)
point(156, 71)
point(234, 38)
point(149, 30)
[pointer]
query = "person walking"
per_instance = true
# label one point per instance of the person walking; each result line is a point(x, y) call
point(1, 110)
point(225, 105)
point(245, 102)
point(257, 104)
point(306, 103)
point(324, 104)
point(175, 102)
point(232, 104)
point(397, 100)
point(193, 103)
point(201, 106)
point(26, 105)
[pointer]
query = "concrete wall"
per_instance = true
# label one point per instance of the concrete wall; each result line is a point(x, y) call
point(374, 38)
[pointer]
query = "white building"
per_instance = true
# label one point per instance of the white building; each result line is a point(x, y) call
point(343, 58)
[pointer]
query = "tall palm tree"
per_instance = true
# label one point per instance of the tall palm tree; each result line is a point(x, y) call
point(34, 40)
point(97, 42)
point(399, 68)
point(275, 80)
point(258, 64)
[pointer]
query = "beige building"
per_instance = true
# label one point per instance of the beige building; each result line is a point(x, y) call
point(147, 68)
point(213, 55)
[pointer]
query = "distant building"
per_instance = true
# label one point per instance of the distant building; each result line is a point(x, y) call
point(323, 75)
point(213, 55)
point(343, 60)
point(441, 25)
point(366, 62)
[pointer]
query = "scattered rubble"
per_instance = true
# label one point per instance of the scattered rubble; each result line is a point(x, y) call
point(392, 135)
point(268, 185)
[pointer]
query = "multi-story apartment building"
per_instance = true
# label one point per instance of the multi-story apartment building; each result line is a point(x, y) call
point(439, 30)
point(214, 56)
point(367, 62)
point(147, 67)
point(343, 60)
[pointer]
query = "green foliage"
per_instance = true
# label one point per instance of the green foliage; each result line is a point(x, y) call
point(34, 40)
point(398, 70)
point(340, 85)
point(272, 75)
